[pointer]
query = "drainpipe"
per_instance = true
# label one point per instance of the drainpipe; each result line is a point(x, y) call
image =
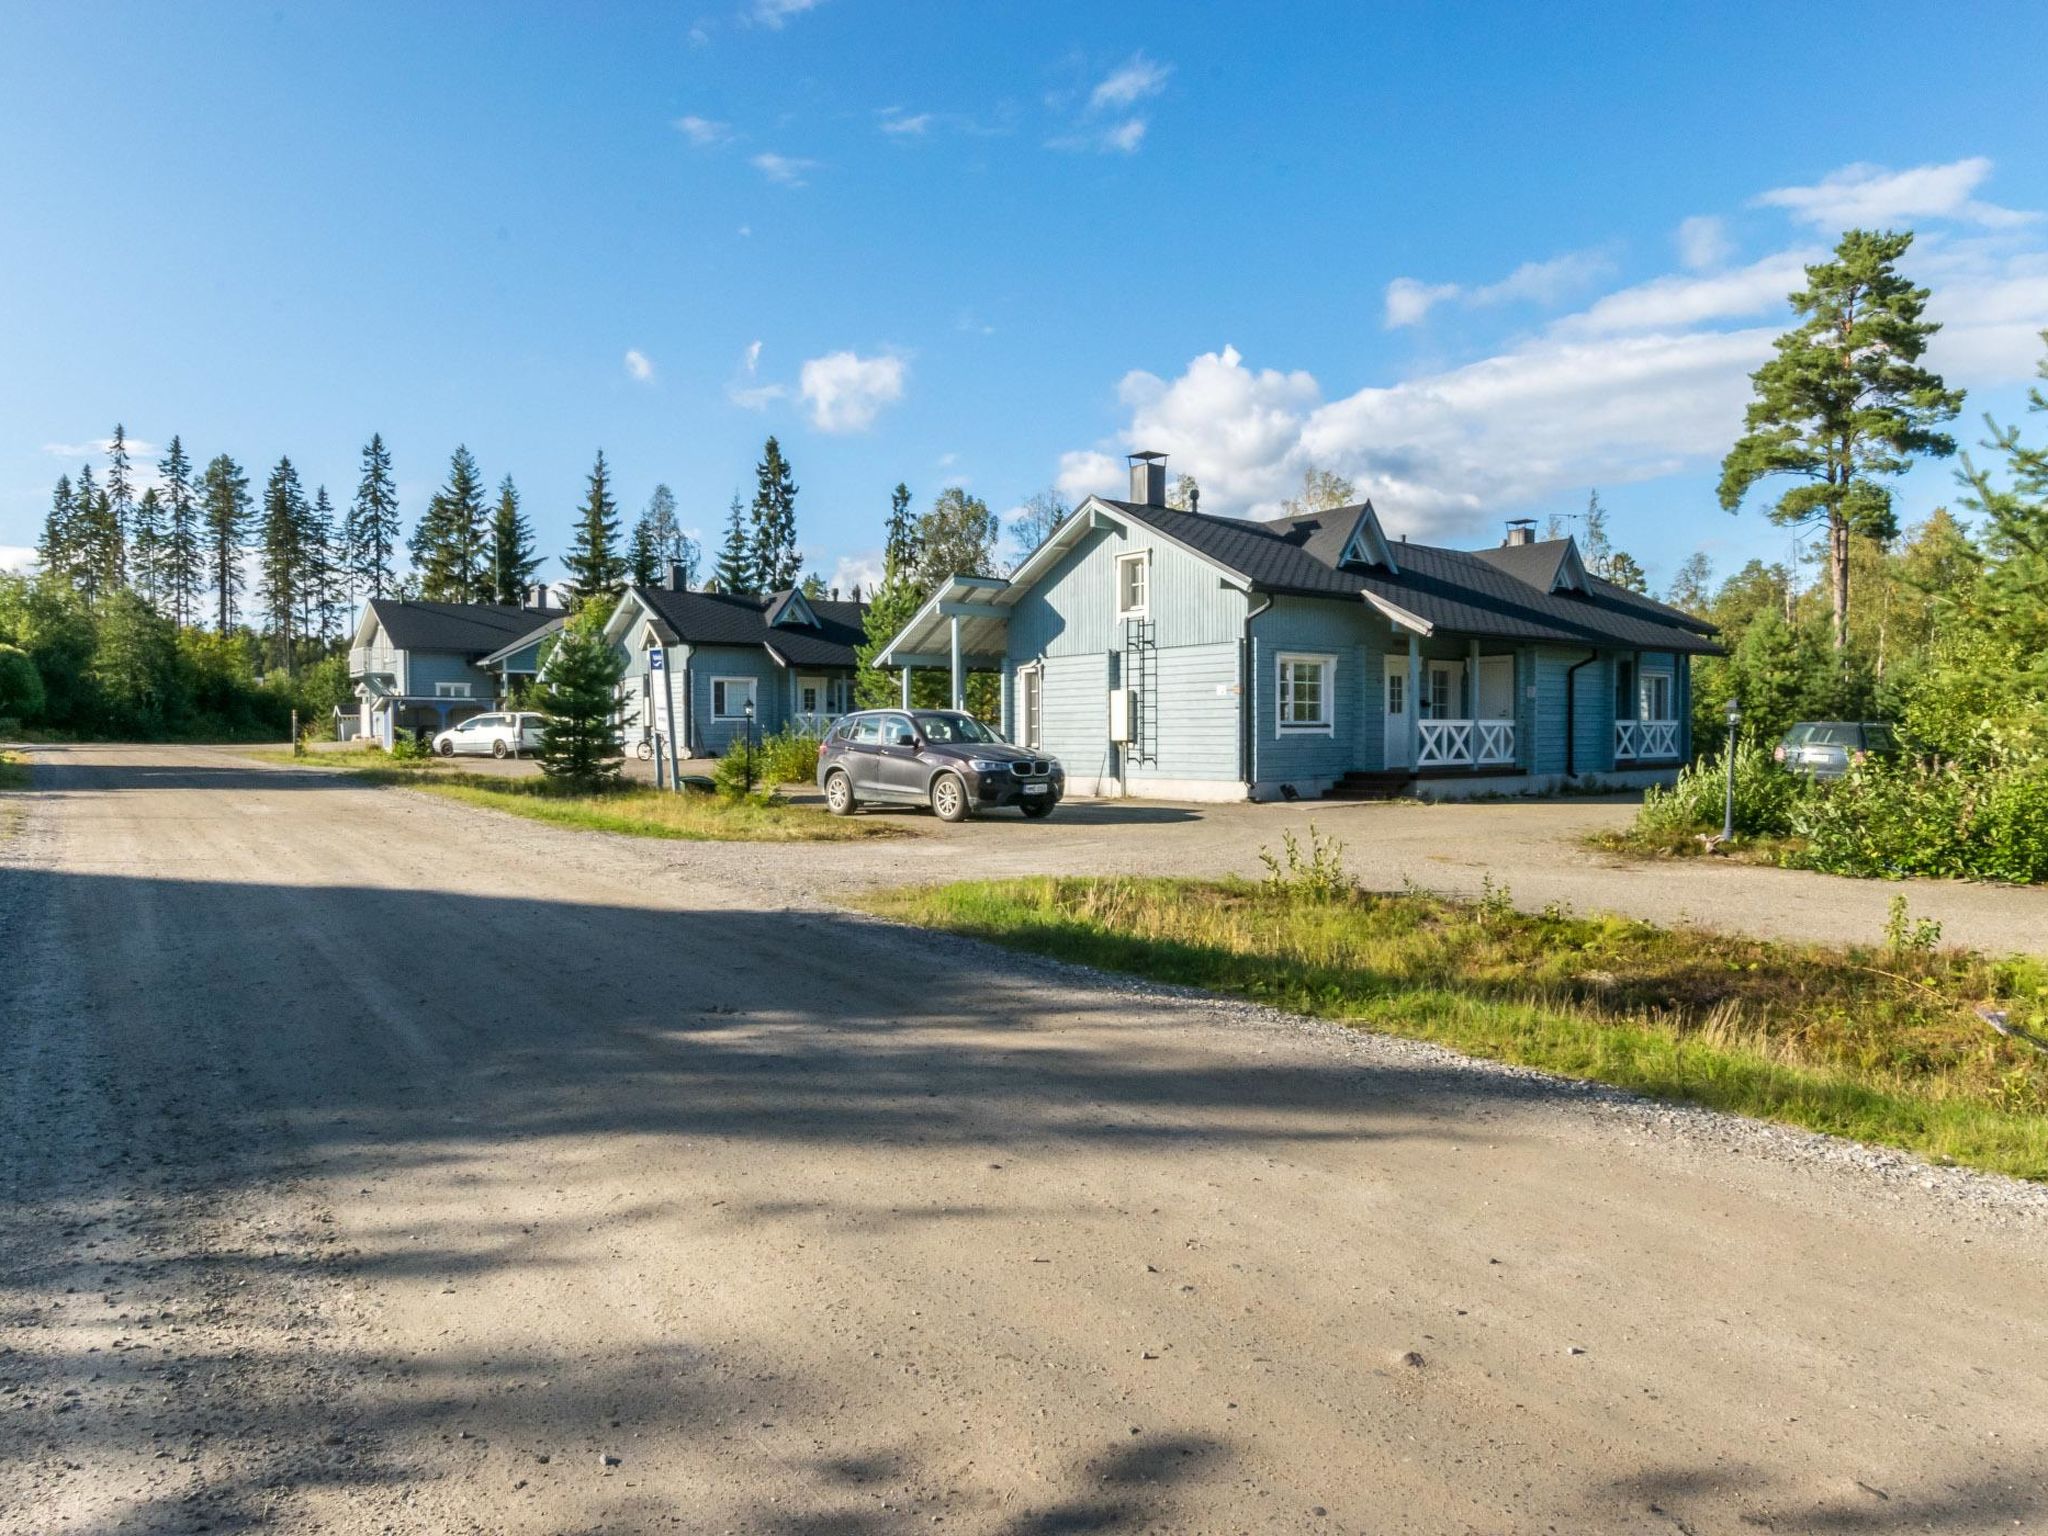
point(1571, 714)
point(1247, 704)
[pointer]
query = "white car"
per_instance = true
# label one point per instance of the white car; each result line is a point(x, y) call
point(497, 735)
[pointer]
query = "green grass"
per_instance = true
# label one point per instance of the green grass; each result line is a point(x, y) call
point(1877, 1045)
point(13, 771)
point(632, 810)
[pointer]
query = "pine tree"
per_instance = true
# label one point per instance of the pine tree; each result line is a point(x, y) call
point(579, 689)
point(900, 552)
point(146, 547)
point(224, 519)
point(735, 569)
point(450, 545)
point(324, 591)
point(596, 570)
point(2013, 591)
point(1844, 405)
point(120, 494)
point(642, 563)
point(777, 560)
point(373, 526)
point(58, 551)
point(659, 543)
point(513, 559)
point(179, 568)
point(96, 548)
point(282, 560)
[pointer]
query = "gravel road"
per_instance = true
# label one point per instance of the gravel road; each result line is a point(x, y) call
point(371, 1163)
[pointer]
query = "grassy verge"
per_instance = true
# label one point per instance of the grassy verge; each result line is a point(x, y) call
point(633, 810)
point(1677, 843)
point(13, 771)
point(1882, 1045)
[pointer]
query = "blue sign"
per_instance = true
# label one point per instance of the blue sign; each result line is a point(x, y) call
point(654, 658)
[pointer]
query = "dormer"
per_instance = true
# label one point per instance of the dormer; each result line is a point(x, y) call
point(1366, 547)
point(1570, 575)
point(789, 610)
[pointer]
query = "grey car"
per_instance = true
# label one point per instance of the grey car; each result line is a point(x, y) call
point(937, 757)
point(1825, 749)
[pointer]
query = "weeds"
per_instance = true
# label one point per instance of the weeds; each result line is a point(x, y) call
point(1318, 877)
point(1909, 937)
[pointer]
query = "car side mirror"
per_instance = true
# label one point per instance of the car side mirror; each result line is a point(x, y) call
point(905, 739)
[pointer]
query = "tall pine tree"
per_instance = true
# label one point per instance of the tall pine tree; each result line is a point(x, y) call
point(513, 558)
point(373, 526)
point(224, 520)
point(58, 552)
point(120, 494)
point(777, 561)
point(180, 570)
point(1845, 405)
point(284, 561)
point(659, 543)
point(450, 547)
point(596, 569)
point(900, 550)
point(146, 548)
point(324, 593)
point(96, 549)
point(735, 569)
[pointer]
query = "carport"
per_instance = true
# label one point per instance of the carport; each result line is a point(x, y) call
point(961, 629)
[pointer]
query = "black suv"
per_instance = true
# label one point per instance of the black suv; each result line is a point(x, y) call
point(936, 757)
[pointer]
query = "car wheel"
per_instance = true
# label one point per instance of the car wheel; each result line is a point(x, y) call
point(447, 749)
point(839, 795)
point(498, 748)
point(949, 797)
point(1037, 810)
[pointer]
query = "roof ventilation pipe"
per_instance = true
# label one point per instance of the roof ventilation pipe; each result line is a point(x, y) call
point(1148, 479)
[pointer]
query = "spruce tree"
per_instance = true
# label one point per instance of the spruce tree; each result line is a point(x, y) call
point(513, 558)
point(373, 526)
point(57, 553)
point(179, 567)
point(283, 560)
point(224, 522)
point(146, 548)
point(120, 494)
point(1845, 406)
point(899, 538)
point(658, 542)
point(643, 565)
point(735, 569)
point(450, 547)
point(777, 561)
point(596, 569)
point(96, 549)
point(579, 691)
point(324, 591)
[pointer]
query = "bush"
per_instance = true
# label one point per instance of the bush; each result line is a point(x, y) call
point(1766, 796)
point(1894, 819)
point(788, 757)
point(21, 685)
point(412, 749)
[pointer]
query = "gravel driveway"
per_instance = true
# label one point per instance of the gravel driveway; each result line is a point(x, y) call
point(374, 1163)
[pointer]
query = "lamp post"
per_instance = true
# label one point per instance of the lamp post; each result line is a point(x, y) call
point(750, 745)
point(1728, 816)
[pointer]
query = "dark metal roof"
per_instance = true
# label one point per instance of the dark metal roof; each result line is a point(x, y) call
point(470, 629)
point(740, 618)
point(1504, 593)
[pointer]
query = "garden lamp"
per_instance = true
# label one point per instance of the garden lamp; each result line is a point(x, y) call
point(750, 746)
point(1728, 816)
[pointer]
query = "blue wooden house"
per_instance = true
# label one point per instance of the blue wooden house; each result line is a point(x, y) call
point(784, 660)
point(421, 667)
point(1178, 655)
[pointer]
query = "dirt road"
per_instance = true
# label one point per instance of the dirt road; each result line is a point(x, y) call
point(370, 1163)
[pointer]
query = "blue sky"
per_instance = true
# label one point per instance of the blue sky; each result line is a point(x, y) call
point(1480, 258)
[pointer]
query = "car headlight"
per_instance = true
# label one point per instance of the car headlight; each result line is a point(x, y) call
point(983, 765)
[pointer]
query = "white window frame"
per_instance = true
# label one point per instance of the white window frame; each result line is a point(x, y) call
point(1646, 708)
point(1327, 725)
point(1141, 561)
point(1031, 722)
point(727, 684)
point(454, 690)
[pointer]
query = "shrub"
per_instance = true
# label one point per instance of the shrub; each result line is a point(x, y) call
point(21, 685)
point(1897, 819)
point(1319, 876)
point(1765, 796)
point(788, 757)
point(412, 749)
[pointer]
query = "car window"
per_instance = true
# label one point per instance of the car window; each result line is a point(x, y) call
point(1879, 737)
point(894, 727)
point(956, 728)
point(868, 730)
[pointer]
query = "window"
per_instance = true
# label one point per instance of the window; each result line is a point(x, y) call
point(868, 730)
point(895, 728)
point(1304, 696)
point(1437, 694)
point(451, 690)
point(1030, 706)
point(1397, 693)
point(730, 697)
point(1133, 585)
point(1657, 696)
point(807, 698)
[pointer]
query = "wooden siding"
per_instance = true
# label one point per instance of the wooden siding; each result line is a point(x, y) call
point(771, 694)
point(424, 669)
point(1356, 638)
point(1071, 610)
point(1593, 719)
point(1076, 725)
point(1197, 715)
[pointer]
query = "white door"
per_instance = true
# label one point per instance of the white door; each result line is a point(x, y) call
point(1397, 707)
point(1496, 687)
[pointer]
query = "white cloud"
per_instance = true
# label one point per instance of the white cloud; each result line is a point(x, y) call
point(1131, 81)
point(1702, 241)
point(1125, 137)
point(98, 448)
point(639, 366)
point(744, 392)
point(1090, 472)
point(1685, 299)
point(16, 557)
point(861, 569)
point(1866, 196)
point(903, 126)
point(773, 13)
point(846, 391)
point(1410, 300)
point(703, 132)
point(784, 170)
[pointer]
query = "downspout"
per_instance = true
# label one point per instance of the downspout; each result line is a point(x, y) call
point(1247, 707)
point(1571, 714)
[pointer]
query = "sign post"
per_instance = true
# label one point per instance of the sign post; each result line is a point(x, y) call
point(657, 661)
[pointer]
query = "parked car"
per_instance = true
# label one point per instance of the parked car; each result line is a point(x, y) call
point(1825, 749)
point(936, 757)
point(508, 735)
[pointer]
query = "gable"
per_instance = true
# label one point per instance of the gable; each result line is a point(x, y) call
point(1367, 544)
point(791, 608)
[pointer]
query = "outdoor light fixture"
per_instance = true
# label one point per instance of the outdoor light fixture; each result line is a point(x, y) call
point(750, 745)
point(1728, 816)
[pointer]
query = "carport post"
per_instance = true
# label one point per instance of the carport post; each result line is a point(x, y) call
point(906, 687)
point(959, 682)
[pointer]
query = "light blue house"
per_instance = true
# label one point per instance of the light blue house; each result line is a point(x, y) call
point(1172, 654)
point(779, 659)
point(421, 667)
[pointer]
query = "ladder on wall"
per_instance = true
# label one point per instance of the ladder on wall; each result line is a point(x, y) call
point(1141, 677)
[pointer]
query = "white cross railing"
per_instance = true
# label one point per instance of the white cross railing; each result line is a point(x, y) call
point(813, 722)
point(1645, 738)
point(1465, 743)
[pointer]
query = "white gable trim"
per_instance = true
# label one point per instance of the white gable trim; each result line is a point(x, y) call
point(1571, 571)
point(1368, 543)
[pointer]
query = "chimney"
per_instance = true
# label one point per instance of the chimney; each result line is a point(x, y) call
point(537, 595)
point(1148, 479)
point(1521, 530)
point(678, 577)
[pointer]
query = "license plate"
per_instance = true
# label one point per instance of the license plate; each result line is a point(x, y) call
point(1034, 789)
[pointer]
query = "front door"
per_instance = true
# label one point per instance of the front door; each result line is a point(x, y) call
point(1397, 706)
